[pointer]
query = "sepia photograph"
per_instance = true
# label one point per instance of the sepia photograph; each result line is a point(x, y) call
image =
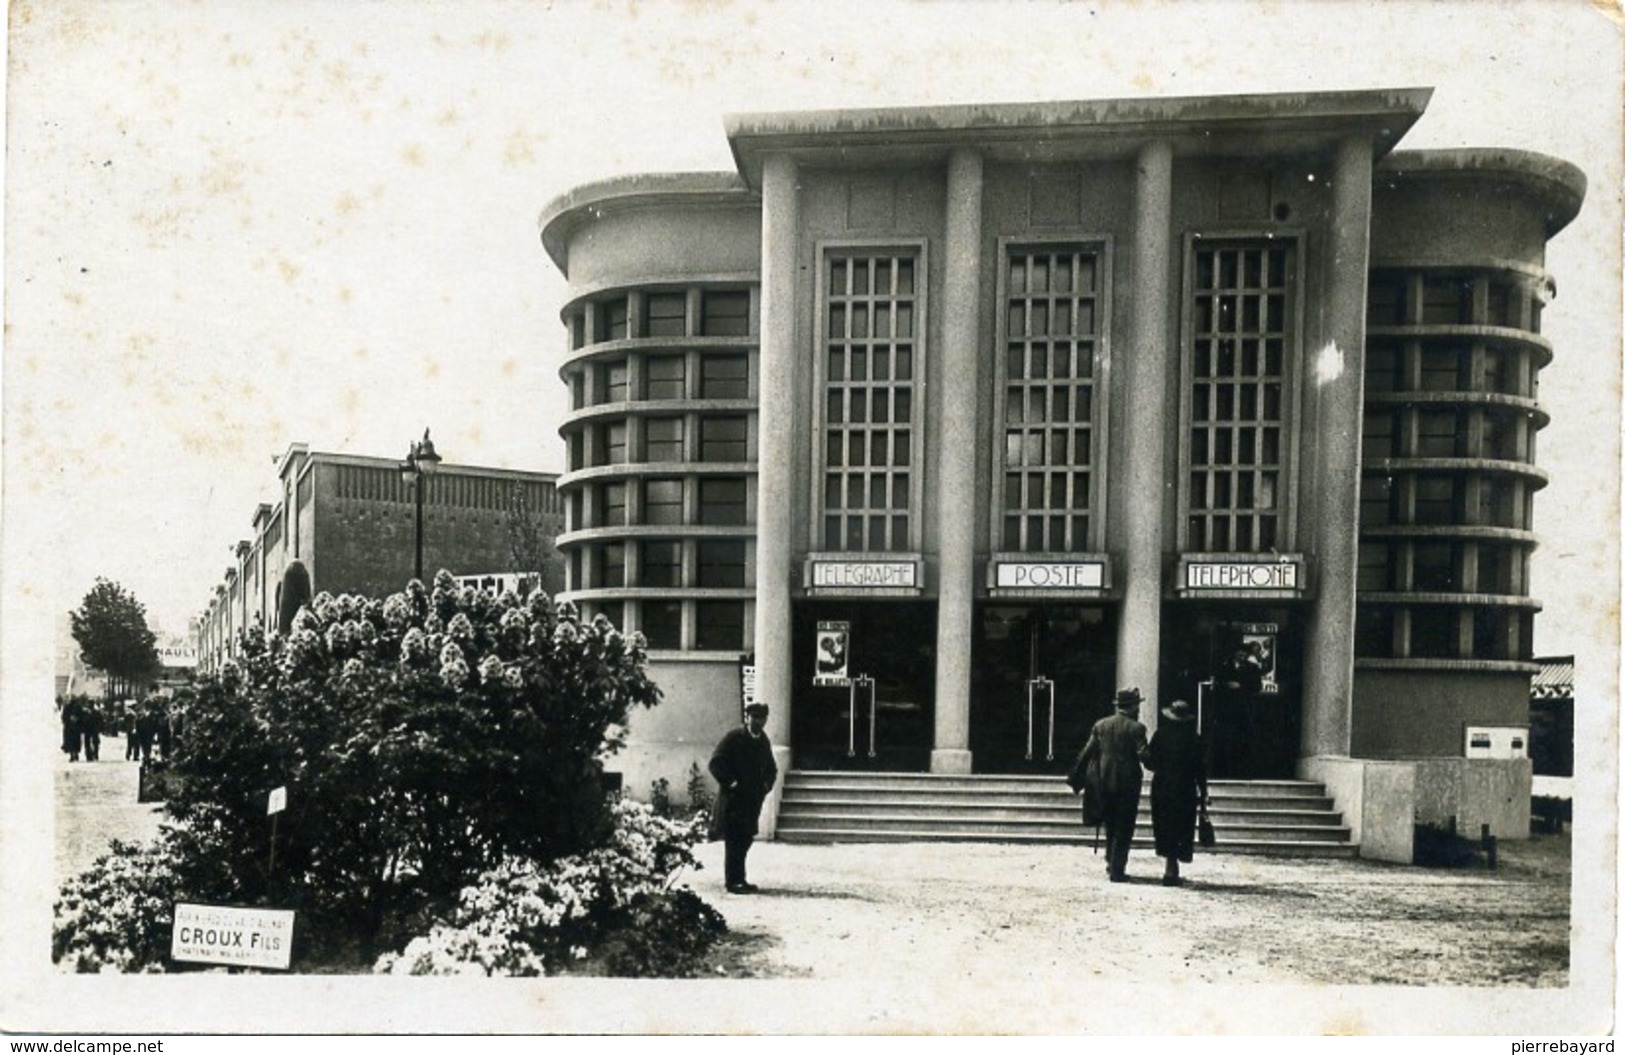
point(868, 518)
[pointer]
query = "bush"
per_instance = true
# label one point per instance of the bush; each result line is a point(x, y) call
point(116, 915)
point(423, 740)
point(529, 918)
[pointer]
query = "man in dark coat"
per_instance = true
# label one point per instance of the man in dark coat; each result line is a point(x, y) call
point(745, 771)
point(1118, 742)
point(1178, 786)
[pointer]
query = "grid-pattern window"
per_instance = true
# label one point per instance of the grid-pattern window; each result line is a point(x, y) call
point(664, 377)
point(663, 440)
point(1433, 567)
point(660, 563)
point(611, 505)
point(1377, 435)
point(1495, 567)
point(725, 313)
point(719, 625)
point(612, 381)
point(1436, 434)
point(724, 377)
point(1434, 631)
point(1051, 330)
point(722, 501)
point(1241, 333)
point(722, 439)
point(614, 318)
point(1441, 367)
point(612, 564)
point(1374, 566)
point(721, 563)
point(869, 336)
point(1446, 301)
point(665, 314)
point(1435, 500)
point(662, 623)
point(663, 502)
point(611, 443)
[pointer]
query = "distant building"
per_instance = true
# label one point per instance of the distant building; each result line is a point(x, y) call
point(350, 520)
point(1551, 717)
point(951, 419)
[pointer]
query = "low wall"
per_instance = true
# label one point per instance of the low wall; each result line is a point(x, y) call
point(1383, 801)
point(699, 703)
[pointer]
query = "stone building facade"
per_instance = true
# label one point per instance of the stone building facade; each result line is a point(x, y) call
point(351, 521)
point(945, 421)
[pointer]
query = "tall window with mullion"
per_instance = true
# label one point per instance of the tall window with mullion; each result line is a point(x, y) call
point(870, 327)
point(1051, 330)
point(1242, 340)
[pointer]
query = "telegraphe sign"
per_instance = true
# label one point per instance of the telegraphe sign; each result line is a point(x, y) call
point(1050, 575)
point(1242, 575)
point(862, 574)
point(239, 937)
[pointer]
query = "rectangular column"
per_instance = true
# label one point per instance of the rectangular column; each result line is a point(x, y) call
point(955, 502)
point(776, 454)
point(1144, 419)
point(1338, 389)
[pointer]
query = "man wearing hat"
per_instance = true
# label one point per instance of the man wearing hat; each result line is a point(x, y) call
point(745, 771)
point(1118, 741)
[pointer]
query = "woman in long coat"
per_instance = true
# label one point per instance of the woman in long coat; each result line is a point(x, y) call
point(1178, 784)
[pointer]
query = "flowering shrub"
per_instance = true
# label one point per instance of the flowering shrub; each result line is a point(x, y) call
point(423, 740)
point(116, 915)
point(528, 918)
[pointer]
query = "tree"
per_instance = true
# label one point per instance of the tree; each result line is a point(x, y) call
point(421, 739)
point(110, 626)
point(531, 531)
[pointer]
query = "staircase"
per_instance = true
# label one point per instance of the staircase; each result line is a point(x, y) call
point(1292, 817)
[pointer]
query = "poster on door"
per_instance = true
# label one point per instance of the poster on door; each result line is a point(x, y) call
point(829, 665)
point(1253, 662)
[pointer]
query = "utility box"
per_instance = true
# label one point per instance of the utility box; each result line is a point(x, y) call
point(1497, 741)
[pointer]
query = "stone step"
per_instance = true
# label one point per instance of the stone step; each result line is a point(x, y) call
point(1266, 816)
point(949, 798)
point(802, 805)
point(1306, 848)
point(887, 821)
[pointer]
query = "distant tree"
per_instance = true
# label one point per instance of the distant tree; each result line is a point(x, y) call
point(531, 531)
point(110, 626)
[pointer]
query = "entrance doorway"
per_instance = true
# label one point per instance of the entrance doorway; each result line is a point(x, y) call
point(1042, 676)
point(1241, 667)
point(865, 681)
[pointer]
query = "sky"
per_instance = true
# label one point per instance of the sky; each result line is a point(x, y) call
point(234, 226)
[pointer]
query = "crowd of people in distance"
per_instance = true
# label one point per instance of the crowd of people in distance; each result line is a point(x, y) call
point(146, 726)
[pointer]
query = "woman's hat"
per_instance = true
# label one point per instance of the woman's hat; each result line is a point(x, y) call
point(1127, 699)
point(1179, 711)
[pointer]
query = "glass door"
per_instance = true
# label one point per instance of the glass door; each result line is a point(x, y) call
point(1042, 676)
point(865, 678)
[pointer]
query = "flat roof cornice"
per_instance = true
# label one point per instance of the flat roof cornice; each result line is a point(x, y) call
point(561, 216)
point(1107, 128)
point(1555, 185)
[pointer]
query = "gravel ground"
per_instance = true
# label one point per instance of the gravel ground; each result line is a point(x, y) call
point(961, 938)
point(827, 912)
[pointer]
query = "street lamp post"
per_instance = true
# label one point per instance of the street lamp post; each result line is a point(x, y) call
point(421, 463)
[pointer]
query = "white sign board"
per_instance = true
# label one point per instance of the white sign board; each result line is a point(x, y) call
point(239, 937)
point(1050, 575)
point(1241, 575)
point(863, 573)
point(277, 802)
